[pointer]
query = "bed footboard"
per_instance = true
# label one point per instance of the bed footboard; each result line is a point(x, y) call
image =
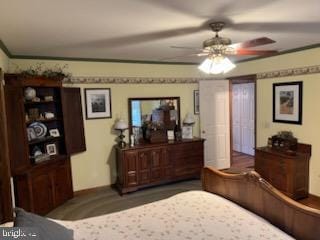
point(252, 192)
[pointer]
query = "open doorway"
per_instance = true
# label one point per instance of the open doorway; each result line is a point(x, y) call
point(242, 121)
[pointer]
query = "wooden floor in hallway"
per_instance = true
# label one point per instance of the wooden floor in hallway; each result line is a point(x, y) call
point(241, 160)
point(240, 163)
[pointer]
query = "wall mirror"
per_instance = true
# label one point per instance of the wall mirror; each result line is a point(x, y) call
point(157, 114)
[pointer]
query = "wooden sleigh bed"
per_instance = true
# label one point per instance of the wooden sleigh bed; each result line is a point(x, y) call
point(252, 192)
point(226, 209)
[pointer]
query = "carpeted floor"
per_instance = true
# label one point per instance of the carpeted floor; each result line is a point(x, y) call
point(107, 200)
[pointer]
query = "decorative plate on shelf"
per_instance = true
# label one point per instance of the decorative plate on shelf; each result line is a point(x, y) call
point(39, 128)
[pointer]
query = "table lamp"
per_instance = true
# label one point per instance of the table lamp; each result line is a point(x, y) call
point(121, 125)
point(189, 120)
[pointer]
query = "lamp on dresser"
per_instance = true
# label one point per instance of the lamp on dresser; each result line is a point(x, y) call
point(121, 125)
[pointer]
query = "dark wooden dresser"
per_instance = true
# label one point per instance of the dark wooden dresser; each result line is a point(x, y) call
point(288, 173)
point(153, 164)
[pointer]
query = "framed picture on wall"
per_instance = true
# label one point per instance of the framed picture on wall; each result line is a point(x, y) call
point(98, 103)
point(196, 101)
point(287, 102)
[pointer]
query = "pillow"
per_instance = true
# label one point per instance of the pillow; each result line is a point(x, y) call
point(48, 229)
point(7, 224)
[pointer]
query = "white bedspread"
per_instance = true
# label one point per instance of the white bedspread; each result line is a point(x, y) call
point(189, 215)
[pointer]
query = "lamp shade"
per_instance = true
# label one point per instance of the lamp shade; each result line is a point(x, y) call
point(189, 119)
point(120, 125)
point(216, 64)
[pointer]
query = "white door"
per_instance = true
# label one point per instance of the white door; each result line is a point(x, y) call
point(214, 121)
point(247, 118)
point(236, 117)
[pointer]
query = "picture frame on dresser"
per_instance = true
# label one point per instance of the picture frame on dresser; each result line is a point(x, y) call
point(98, 103)
point(287, 102)
point(187, 132)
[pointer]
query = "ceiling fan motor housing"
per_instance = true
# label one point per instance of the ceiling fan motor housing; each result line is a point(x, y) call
point(216, 41)
point(217, 26)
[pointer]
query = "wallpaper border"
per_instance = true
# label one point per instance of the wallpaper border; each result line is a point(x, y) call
point(132, 80)
point(290, 72)
point(156, 80)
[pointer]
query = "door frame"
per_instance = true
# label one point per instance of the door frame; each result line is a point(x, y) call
point(240, 80)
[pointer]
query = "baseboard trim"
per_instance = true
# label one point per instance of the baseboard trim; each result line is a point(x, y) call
point(90, 190)
point(312, 201)
point(314, 196)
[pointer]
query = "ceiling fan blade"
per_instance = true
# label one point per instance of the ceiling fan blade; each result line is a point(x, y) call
point(203, 54)
point(188, 48)
point(253, 43)
point(255, 52)
point(179, 56)
point(139, 38)
point(206, 9)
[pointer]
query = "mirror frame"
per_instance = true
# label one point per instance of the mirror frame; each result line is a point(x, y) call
point(151, 99)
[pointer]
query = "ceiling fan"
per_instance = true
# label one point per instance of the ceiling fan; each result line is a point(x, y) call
point(221, 46)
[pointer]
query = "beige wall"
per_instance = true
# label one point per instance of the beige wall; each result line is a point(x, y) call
point(93, 168)
point(4, 61)
point(96, 166)
point(309, 131)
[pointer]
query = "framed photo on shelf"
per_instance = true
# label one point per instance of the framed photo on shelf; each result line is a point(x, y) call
point(187, 132)
point(98, 103)
point(287, 102)
point(54, 132)
point(196, 102)
point(31, 134)
point(51, 149)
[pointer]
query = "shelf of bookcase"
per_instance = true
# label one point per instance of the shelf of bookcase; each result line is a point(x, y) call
point(53, 159)
point(44, 140)
point(44, 120)
point(30, 103)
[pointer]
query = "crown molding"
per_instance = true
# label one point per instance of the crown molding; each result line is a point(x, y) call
point(4, 48)
point(99, 60)
point(12, 56)
point(290, 72)
point(131, 80)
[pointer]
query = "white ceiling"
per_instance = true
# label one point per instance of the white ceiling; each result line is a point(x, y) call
point(145, 29)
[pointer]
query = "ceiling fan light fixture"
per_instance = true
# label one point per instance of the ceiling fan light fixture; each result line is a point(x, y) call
point(205, 66)
point(216, 65)
point(228, 65)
